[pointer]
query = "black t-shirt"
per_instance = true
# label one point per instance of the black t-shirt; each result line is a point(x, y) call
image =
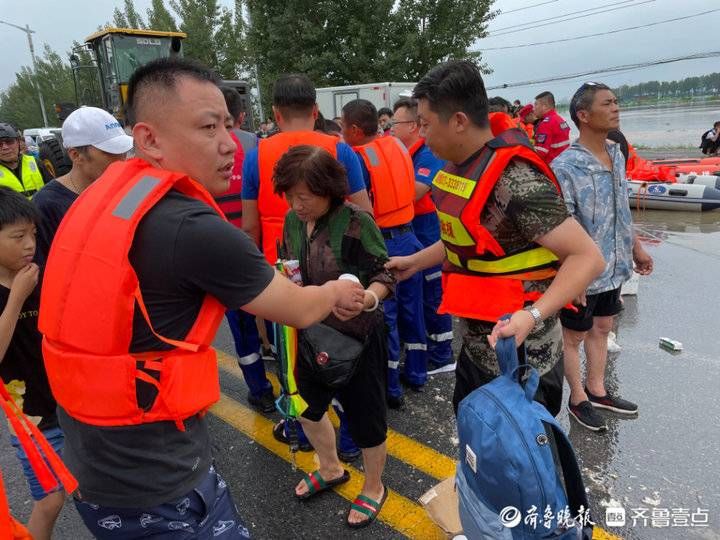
point(182, 250)
point(52, 201)
point(23, 361)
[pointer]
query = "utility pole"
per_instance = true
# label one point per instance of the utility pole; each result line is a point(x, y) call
point(29, 33)
point(257, 86)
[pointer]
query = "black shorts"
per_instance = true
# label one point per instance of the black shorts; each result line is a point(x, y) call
point(605, 304)
point(363, 399)
point(469, 377)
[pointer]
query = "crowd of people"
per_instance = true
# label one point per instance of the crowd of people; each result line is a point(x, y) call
point(448, 204)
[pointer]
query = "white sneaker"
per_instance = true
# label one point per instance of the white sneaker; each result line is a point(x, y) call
point(612, 345)
point(447, 368)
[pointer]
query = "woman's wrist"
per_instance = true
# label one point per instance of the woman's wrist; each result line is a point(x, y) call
point(371, 300)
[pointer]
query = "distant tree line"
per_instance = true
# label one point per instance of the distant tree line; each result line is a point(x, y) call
point(335, 43)
point(690, 87)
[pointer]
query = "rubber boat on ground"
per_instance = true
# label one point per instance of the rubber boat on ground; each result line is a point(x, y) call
point(713, 170)
point(708, 161)
point(685, 197)
point(697, 166)
point(709, 180)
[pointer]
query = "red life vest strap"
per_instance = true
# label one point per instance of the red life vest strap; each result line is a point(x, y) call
point(174, 342)
point(30, 442)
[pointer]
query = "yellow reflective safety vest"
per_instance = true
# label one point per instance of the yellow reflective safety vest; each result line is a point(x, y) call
point(480, 280)
point(32, 180)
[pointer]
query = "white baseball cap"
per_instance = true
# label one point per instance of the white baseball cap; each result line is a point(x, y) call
point(90, 126)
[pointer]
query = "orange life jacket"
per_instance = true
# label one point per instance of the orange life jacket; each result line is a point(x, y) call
point(638, 168)
point(392, 181)
point(424, 205)
point(527, 128)
point(272, 207)
point(480, 280)
point(89, 294)
point(500, 121)
point(10, 528)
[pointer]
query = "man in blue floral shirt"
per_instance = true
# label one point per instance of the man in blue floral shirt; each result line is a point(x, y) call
point(592, 175)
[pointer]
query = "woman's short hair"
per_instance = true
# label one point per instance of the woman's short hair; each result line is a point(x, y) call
point(324, 175)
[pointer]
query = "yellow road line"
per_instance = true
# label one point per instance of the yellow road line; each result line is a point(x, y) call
point(400, 513)
point(602, 534)
point(402, 447)
point(403, 515)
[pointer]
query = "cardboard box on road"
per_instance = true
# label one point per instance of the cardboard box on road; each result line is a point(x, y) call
point(441, 504)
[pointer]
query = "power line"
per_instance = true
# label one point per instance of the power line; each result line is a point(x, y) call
point(526, 7)
point(562, 15)
point(599, 33)
point(569, 19)
point(627, 67)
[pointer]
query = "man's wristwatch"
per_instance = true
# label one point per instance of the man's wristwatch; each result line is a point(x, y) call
point(536, 315)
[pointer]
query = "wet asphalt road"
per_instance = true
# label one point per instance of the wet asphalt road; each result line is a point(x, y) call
point(662, 463)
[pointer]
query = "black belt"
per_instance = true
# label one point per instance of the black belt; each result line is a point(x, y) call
point(393, 232)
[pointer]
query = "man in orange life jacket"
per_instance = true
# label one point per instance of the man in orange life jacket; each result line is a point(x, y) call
point(507, 242)
point(389, 175)
point(405, 126)
point(242, 325)
point(552, 133)
point(526, 120)
point(295, 111)
point(139, 276)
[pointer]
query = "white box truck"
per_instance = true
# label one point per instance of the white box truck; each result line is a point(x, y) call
point(332, 99)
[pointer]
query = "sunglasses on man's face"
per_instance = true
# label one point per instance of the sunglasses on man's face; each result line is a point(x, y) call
point(7, 142)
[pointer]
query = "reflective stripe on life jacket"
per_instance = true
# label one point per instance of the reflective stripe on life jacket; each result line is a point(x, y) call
point(272, 207)
point(89, 296)
point(230, 202)
point(480, 280)
point(32, 180)
point(392, 181)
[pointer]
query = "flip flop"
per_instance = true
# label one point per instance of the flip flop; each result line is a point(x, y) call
point(317, 484)
point(365, 505)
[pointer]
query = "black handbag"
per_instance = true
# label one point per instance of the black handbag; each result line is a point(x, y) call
point(333, 357)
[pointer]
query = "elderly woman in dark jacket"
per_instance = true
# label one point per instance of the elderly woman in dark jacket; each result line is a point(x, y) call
point(331, 237)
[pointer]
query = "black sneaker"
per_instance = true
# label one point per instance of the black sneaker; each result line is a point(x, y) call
point(395, 402)
point(278, 432)
point(612, 403)
point(349, 457)
point(414, 387)
point(265, 403)
point(586, 416)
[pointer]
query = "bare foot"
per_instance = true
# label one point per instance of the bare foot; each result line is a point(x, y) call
point(327, 474)
point(354, 516)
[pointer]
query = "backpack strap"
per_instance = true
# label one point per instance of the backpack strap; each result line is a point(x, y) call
point(507, 355)
point(577, 497)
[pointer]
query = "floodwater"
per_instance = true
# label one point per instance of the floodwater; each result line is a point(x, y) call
point(663, 464)
point(665, 126)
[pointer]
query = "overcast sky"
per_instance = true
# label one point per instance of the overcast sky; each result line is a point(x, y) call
point(58, 24)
